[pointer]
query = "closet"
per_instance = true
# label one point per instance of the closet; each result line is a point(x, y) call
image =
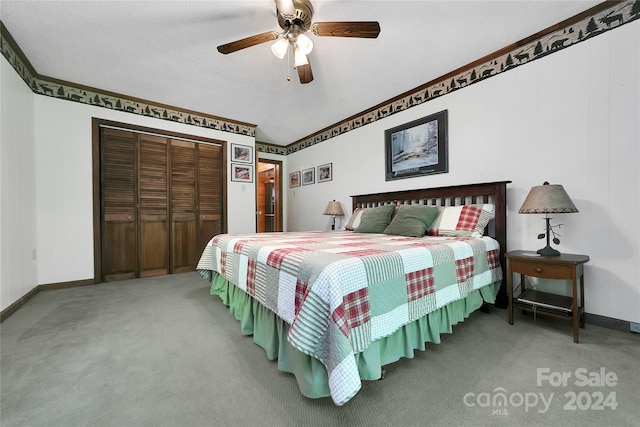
point(161, 201)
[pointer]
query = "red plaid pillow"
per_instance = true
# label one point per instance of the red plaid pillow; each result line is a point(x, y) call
point(462, 221)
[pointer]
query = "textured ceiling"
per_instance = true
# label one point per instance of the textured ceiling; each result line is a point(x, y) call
point(165, 52)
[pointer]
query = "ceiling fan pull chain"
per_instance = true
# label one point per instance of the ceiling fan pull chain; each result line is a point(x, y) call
point(288, 67)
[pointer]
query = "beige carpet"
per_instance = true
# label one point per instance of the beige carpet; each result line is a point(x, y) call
point(163, 352)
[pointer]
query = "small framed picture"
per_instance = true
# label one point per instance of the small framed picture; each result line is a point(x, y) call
point(308, 176)
point(241, 153)
point(325, 172)
point(294, 179)
point(241, 173)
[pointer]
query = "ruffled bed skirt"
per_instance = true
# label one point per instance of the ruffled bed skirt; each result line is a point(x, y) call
point(270, 332)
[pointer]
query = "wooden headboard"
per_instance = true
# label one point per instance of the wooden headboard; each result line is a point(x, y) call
point(488, 192)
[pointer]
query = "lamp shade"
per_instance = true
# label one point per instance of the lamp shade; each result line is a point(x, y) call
point(547, 198)
point(334, 208)
point(300, 59)
point(280, 47)
point(304, 43)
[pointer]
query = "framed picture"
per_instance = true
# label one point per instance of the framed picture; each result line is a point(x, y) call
point(308, 176)
point(241, 173)
point(294, 179)
point(241, 153)
point(417, 148)
point(325, 172)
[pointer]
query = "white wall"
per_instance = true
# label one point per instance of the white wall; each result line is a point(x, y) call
point(571, 118)
point(17, 187)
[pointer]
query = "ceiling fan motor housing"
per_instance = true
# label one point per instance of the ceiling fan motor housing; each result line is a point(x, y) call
point(302, 17)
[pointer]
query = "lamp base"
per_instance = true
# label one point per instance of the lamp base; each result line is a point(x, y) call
point(548, 251)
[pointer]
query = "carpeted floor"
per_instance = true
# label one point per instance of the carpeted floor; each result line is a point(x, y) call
point(163, 352)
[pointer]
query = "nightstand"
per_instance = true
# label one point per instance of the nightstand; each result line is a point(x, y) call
point(563, 267)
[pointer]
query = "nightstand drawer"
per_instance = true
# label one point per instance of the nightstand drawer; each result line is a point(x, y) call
point(543, 270)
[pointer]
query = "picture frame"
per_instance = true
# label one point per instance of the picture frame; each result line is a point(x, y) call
point(294, 179)
point(417, 148)
point(325, 172)
point(308, 176)
point(241, 153)
point(241, 172)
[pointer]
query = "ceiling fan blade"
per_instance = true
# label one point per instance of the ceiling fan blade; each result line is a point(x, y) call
point(364, 29)
point(247, 42)
point(304, 73)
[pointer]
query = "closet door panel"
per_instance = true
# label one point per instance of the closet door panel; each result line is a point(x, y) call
point(183, 206)
point(160, 202)
point(153, 190)
point(118, 222)
point(209, 194)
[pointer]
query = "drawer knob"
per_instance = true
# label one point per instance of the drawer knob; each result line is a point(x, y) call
point(538, 269)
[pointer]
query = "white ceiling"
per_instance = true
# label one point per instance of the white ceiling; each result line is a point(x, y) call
point(165, 52)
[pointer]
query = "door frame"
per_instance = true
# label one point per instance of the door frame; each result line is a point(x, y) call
point(278, 189)
point(96, 124)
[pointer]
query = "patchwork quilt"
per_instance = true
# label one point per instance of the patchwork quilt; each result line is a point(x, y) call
point(342, 290)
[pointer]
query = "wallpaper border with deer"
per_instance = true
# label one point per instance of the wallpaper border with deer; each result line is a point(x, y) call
point(598, 20)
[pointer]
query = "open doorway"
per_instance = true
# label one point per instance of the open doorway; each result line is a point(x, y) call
point(269, 196)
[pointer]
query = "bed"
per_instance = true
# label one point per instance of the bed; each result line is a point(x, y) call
point(334, 308)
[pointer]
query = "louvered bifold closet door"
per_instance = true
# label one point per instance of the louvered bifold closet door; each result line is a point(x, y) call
point(183, 206)
point(153, 211)
point(209, 195)
point(118, 210)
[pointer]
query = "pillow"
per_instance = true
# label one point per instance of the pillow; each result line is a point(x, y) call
point(412, 220)
point(462, 221)
point(356, 217)
point(354, 221)
point(375, 220)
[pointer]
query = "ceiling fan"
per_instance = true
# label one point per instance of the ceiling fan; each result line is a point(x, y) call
point(294, 17)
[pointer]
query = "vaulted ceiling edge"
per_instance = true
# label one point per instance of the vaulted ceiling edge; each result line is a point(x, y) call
point(605, 19)
point(602, 20)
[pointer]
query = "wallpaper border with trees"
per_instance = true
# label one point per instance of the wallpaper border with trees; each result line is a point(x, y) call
point(598, 20)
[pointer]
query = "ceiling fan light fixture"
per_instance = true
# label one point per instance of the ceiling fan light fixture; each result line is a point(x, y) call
point(300, 58)
point(304, 43)
point(286, 7)
point(280, 47)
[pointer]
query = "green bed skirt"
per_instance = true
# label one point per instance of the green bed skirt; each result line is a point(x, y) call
point(270, 332)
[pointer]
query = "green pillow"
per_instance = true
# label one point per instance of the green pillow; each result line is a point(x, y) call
point(375, 220)
point(412, 220)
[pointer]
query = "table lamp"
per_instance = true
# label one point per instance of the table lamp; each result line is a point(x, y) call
point(334, 209)
point(547, 199)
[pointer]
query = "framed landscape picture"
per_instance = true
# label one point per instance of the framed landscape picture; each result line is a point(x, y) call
point(241, 153)
point(325, 172)
point(417, 148)
point(294, 179)
point(308, 176)
point(241, 173)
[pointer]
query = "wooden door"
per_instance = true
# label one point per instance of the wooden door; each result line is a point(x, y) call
point(158, 200)
point(153, 211)
point(268, 191)
point(183, 206)
point(209, 194)
point(118, 211)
